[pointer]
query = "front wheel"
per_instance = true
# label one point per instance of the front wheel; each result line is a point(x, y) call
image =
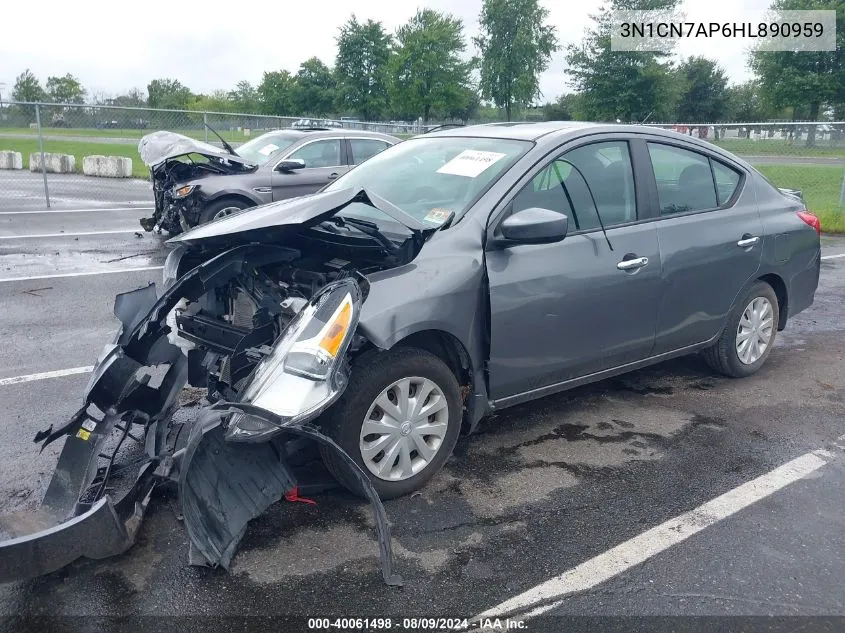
point(749, 335)
point(222, 208)
point(399, 419)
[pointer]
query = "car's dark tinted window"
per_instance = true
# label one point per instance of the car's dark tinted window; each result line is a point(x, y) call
point(684, 179)
point(727, 180)
point(319, 153)
point(607, 170)
point(364, 148)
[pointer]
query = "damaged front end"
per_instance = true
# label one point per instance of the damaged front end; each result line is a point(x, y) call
point(176, 162)
point(267, 330)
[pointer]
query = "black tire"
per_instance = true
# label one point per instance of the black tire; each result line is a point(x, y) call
point(369, 376)
point(213, 208)
point(723, 356)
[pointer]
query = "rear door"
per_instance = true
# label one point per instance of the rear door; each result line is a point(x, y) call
point(364, 148)
point(711, 239)
point(324, 162)
point(565, 310)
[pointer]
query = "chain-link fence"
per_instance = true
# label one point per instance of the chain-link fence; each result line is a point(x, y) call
point(805, 155)
point(65, 134)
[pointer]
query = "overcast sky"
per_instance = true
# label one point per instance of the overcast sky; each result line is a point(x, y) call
point(112, 48)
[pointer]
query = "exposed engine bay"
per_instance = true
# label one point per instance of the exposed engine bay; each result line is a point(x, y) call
point(261, 310)
point(175, 213)
point(174, 159)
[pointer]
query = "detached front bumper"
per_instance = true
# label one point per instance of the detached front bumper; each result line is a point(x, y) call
point(230, 463)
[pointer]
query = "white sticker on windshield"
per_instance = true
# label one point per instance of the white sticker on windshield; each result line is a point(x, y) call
point(470, 163)
point(268, 149)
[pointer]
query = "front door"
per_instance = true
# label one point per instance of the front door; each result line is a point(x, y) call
point(324, 163)
point(569, 309)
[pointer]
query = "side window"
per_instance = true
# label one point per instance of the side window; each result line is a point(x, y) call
point(609, 177)
point(364, 148)
point(727, 180)
point(684, 179)
point(320, 153)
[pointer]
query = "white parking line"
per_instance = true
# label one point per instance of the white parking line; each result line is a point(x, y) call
point(83, 274)
point(547, 596)
point(43, 235)
point(15, 380)
point(833, 256)
point(54, 211)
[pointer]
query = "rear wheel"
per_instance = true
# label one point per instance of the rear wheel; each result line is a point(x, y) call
point(399, 419)
point(221, 208)
point(749, 335)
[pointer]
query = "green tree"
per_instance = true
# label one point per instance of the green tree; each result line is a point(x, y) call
point(169, 94)
point(703, 97)
point(744, 103)
point(134, 98)
point(215, 101)
point(629, 86)
point(245, 97)
point(276, 93)
point(363, 50)
point(807, 81)
point(426, 70)
point(515, 46)
point(562, 109)
point(28, 88)
point(65, 89)
point(315, 88)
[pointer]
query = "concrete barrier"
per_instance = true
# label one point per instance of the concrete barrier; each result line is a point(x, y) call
point(107, 166)
point(53, 163)
point(11, 160)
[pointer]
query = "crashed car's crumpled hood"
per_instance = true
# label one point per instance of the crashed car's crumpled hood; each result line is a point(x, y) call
point(303, 211)
point(160, 146)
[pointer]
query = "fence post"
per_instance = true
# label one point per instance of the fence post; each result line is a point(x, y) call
point(41, 150)
point(842, 193)
point(205, 125)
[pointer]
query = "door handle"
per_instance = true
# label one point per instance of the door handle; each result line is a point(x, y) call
point(632, 264)
point(745, 242)
point(333, 175)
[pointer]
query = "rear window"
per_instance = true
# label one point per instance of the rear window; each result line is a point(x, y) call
point(727, 180)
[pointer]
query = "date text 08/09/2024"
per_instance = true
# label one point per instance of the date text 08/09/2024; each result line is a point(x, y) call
point(415, 624)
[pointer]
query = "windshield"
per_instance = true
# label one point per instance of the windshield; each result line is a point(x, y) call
point(260, 149)
point(428, 178)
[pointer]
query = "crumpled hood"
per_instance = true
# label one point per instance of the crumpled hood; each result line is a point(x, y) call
point(159, 146)
point(304, 211)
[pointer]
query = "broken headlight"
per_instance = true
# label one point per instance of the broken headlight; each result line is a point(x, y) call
point(183, 191)
point(305, 372)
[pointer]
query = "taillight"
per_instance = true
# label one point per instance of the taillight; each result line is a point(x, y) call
point(812, 220)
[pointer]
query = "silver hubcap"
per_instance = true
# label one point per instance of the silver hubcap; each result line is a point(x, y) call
point(755, 330)
point(224, 212)
point(404, 428)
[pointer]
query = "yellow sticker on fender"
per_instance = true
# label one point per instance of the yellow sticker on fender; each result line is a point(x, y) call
point(82, 434)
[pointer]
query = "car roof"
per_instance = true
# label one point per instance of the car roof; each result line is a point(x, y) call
point(554, 132)
point(332, 132)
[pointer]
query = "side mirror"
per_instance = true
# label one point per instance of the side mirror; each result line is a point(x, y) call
point(534, 226)
point(291, 164)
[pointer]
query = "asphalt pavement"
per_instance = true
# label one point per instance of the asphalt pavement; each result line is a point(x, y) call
point(543, 494)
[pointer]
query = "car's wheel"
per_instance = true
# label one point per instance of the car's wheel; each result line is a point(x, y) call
point(399, 419)
point(221, 208)
point(749, 335)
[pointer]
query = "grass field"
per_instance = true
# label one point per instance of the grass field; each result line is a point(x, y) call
point(820, 184)
point(775, 147)
point(78, 149)
point(95, 133)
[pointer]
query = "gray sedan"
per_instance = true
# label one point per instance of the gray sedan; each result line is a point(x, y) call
point(194, 182)
point(445, 278)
